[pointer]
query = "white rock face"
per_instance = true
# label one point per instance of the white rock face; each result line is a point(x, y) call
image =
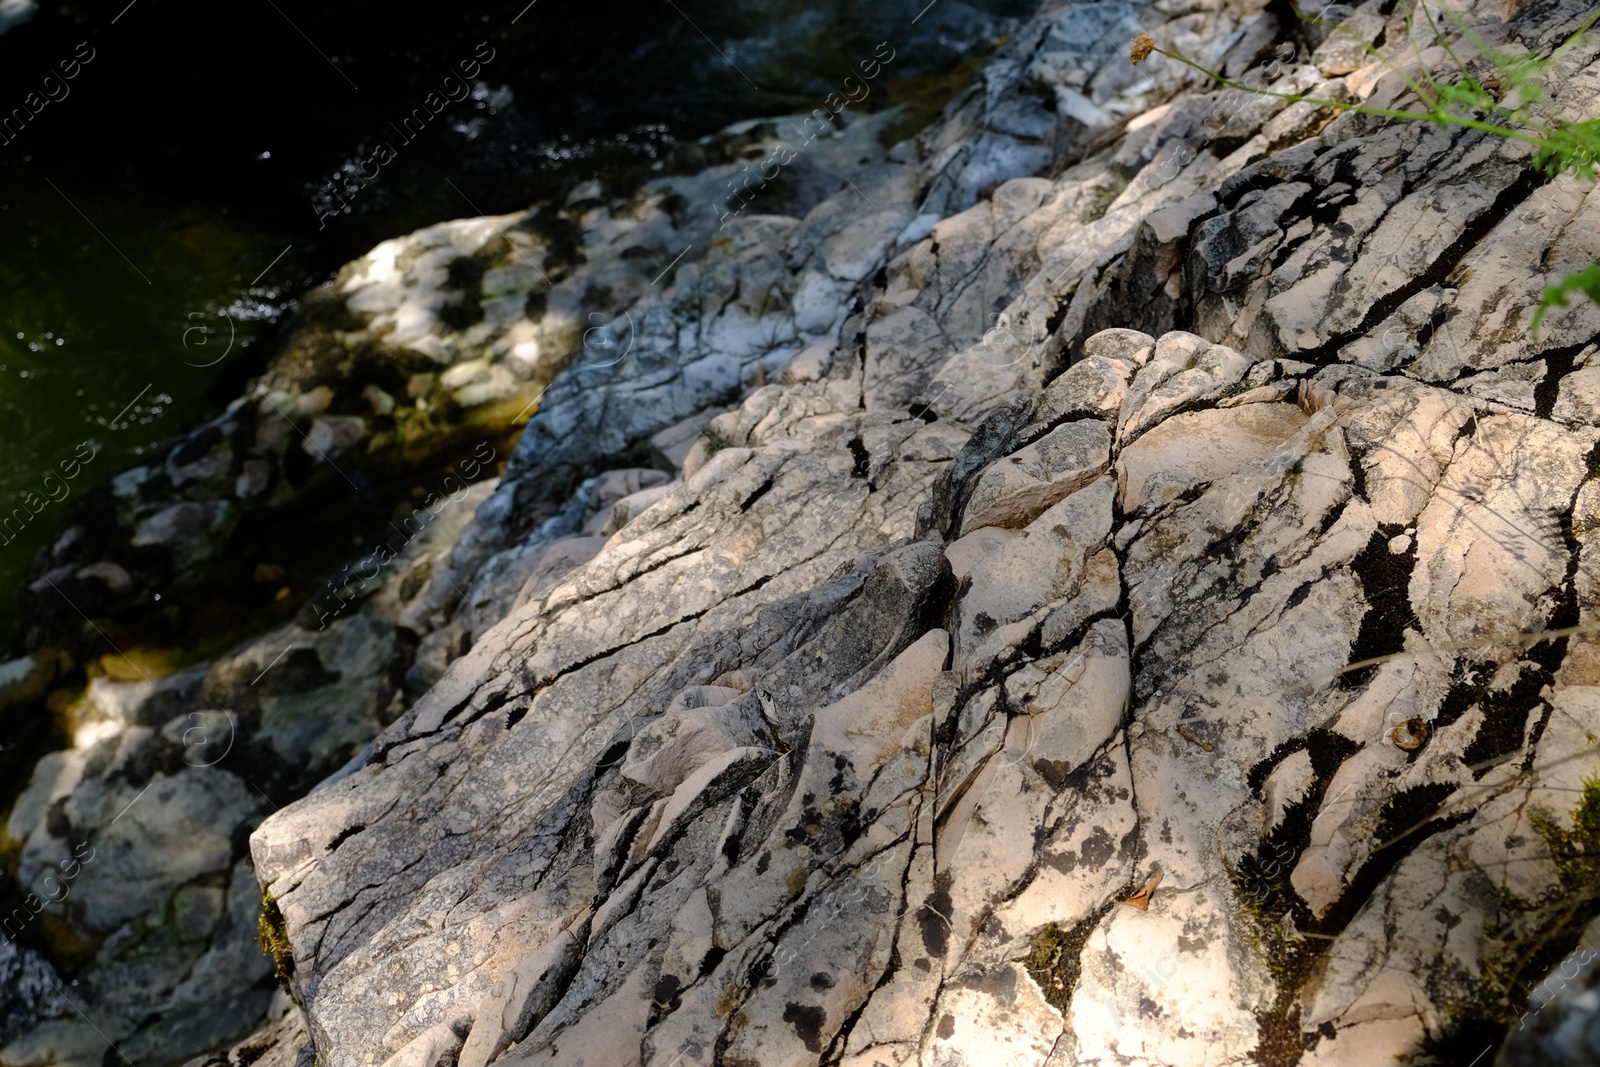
point(1060, 463)
point(1197, 448)
point(824, 829)
point(861, 743)
point(1081, 617)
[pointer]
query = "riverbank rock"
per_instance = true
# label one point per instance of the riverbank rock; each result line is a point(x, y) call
point(130, 843)
point(32, 988)
point(1126, 598)
point(445, 342)
point(1239, 624)
point(914, 843)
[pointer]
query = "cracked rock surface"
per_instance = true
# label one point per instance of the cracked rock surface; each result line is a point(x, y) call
point(767, 783)
point(1117, 588)
point(1130, 527)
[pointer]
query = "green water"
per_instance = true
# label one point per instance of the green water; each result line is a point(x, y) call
point(123, 225)
point(108, 317)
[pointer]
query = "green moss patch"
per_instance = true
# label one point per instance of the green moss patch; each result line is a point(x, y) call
point(1531, 938)
point(1576, 851)
point(273, 936)
point(716, 441)
point(1054, 957)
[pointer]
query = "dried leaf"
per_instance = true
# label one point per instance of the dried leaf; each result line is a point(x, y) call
point(1141, 899)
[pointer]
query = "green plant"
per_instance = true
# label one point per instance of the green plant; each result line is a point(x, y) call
point(1535, 936)
point(716, 441)
point(273, 937)
point(1510, 103)
point(1576, 851)
point(1586, 281)
point(1047, 956)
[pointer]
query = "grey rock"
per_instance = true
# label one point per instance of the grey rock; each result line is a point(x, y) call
point(1016, 679)
point(32, 988)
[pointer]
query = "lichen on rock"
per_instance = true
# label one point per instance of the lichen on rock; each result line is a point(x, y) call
point(1035, 513)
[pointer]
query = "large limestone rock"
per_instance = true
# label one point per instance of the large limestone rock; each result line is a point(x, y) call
point(1122, 596)
point(744, 815)
point(855, 745)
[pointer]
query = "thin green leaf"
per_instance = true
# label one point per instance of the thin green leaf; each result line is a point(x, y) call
point(1586, 281)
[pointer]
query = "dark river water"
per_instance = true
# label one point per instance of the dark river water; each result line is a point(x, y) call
point(167, 170)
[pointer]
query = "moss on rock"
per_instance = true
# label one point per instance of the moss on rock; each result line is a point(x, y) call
point(273, 937)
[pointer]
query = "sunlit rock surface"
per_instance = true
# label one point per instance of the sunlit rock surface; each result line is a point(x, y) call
point(1109, 588)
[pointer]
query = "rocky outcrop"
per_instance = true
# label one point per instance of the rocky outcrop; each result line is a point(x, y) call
point(855, 745)
point(443, 343)
point(130, 841)
point(887, 816)
point(32, 989)
point(166, 774)
point(1121, 597)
